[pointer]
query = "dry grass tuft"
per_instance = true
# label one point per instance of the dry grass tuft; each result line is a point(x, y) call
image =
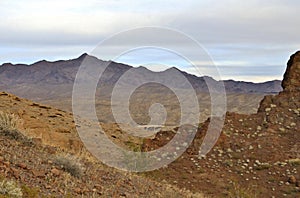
point(69, 164)
point(9, 188)
point(8, 121)
point(237, 191)
point(294, 162)
point(9, 127)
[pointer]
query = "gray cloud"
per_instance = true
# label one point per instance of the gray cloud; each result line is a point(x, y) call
point(254, 33)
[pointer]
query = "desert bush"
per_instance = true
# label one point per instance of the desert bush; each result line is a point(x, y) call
point(8, 121)
point(173, 191)
point(30, 192)
point(9, 124)
point(69, 164)
point(294, 162)
point(236, 191)
point(263, 166)
point(9, 188)
point(136, 161)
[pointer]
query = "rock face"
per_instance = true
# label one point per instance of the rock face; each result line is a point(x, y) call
point(291, 80)
point(289, 98)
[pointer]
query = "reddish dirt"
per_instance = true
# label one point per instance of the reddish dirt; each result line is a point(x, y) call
point(256, 154)
point(35, 166)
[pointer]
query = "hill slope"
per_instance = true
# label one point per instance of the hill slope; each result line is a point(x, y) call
point(256, 155)
point(42, 156)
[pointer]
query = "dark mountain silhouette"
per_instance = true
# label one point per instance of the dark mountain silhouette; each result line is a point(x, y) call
point(49, 79)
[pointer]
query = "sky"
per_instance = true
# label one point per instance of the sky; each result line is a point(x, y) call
point(247, 40)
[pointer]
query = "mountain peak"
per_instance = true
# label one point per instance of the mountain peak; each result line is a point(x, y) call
point(142, 67)
point(87, 56)
point(172, 69)
point(6, 64)
point(41, 62)
point(82, 56)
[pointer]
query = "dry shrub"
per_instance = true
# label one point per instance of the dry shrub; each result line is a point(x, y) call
point(9, 188)
point(9, 127)
point(69, 164)
point(237, 191)
point(294, 162)
point(9, 121)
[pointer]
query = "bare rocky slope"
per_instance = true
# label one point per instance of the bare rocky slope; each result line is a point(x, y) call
point(256, 155)
point(42, 156)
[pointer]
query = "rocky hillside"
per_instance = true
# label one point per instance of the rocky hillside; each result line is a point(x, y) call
point(41, 155)
point(256, 155)
point(43, 123)
point(32, 170)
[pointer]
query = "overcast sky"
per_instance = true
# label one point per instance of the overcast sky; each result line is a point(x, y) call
point(248, 40)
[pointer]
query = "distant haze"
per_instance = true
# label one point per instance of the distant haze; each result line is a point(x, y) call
point(249, 41)
point(52, 83)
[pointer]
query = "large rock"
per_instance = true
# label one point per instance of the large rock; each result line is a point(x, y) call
point(289, 98)
point(291, 81)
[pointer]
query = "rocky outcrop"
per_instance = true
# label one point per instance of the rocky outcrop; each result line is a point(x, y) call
point(289, 98)
point(281, 112)
point(291, 81)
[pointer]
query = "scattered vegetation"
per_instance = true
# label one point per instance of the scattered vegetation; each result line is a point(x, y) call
point(135, 159)
point(133, 146)
point(236, 191)
point(69, 164)
point(294, 162)
point(30, 192)
point(263, 166)
point(9, 126)
point(9, 188)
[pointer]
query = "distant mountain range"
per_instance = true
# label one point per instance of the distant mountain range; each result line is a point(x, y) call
point(46, 78)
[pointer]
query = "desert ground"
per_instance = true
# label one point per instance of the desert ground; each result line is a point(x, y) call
point(256, 155)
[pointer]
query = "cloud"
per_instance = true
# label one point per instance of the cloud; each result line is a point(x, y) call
point(66, 22)
point(235, 33)
point(257, 22)
point(253, 74)
point(208, 21)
